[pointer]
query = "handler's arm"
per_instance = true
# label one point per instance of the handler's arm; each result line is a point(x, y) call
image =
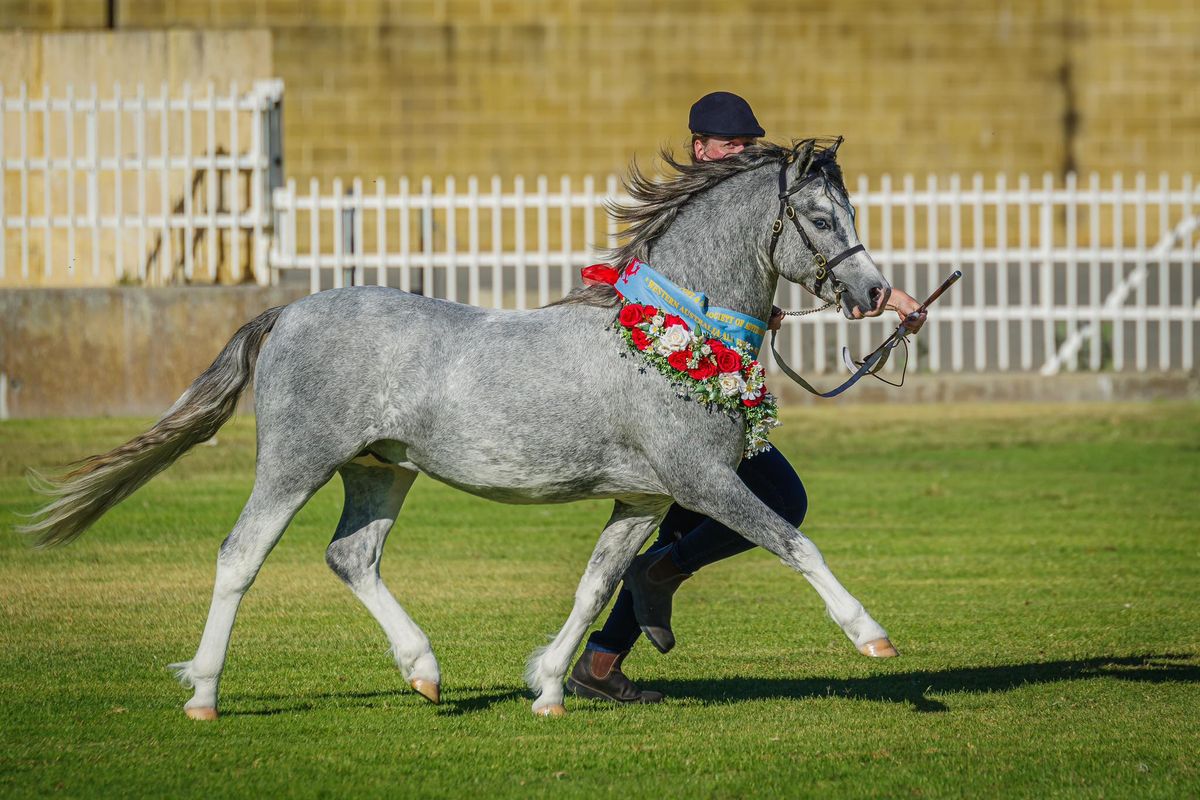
point(904, 305)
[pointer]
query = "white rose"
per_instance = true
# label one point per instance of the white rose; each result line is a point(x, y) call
point(673, 339)
point(731, 383)
point(657, 320)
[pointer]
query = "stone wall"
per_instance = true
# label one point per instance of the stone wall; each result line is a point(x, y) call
point(127, 351)
point(89, 352)
point(413, 87)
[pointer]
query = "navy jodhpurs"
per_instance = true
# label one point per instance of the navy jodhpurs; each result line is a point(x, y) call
point(697, 541)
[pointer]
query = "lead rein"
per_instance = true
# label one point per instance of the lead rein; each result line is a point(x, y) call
point(875, 360)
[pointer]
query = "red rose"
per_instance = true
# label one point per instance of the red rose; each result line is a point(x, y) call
point(640, 340)
point(728, 360)
point(752, 403)
point(649, 311)
point(671, 319)
point(706, 369)
point(716, 345)
point(679, 360)
point(631, 315)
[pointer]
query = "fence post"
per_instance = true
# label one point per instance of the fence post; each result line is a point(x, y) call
point(314, 236)
point(3, 183)
point(1118, 269)
point(47, 194)
point(1164, 274)
point(473, 239)
point(270, 94)
point(357, 272)
point(166, 257)
point(381, 248)
point(339, 234)
point(1189, 326)
point(189, 223)
point(497, 254)
point(451, 271)
point(70, 131)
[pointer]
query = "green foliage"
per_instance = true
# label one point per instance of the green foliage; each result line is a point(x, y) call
point(1037, 566)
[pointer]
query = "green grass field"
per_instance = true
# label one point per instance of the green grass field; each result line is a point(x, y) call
point(1037, 566)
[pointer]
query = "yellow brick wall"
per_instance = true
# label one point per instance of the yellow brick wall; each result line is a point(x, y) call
point(414, 87)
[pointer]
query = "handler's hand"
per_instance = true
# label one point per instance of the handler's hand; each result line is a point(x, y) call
point(776, 320)
point(904, 305)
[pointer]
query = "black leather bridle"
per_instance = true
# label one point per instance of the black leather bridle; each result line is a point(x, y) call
point(877, 358)
point(786, 209)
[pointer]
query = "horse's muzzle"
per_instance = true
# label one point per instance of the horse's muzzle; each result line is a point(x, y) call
point(875, 305)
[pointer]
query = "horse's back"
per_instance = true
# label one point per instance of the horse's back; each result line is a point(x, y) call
point(537, 406)
point(401, 366)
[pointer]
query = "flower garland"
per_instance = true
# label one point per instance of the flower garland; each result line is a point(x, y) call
point(715, 373)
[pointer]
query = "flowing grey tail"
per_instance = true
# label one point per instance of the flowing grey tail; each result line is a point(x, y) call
point(100, 482)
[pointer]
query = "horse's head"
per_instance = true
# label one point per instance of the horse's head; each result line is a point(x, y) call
point(814, 242)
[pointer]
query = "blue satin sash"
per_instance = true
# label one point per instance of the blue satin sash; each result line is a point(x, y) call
point(639, 283)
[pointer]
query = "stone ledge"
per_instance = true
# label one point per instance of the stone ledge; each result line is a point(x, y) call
point(1078, 387)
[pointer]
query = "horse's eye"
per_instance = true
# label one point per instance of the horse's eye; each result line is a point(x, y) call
point(820, 224)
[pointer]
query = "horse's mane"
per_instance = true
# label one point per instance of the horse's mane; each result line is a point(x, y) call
point(656, 201)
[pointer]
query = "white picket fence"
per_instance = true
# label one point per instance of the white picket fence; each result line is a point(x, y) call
point(120, 184)
point(1057, 275)
point(183, 185)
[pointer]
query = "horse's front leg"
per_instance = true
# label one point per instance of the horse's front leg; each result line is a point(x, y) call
point(721, 495)
point(630, 526)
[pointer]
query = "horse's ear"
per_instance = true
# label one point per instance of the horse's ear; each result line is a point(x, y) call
point(803, 156)
point(833, 150)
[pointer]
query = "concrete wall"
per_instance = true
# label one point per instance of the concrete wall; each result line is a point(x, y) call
point(408, 87)
point(88, 352)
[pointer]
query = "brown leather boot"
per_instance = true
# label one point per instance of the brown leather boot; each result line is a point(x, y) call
point(652, 579)
point(598, 676)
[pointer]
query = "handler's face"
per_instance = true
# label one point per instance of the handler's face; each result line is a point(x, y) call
point(714, 148)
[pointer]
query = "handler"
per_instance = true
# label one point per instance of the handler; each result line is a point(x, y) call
point(722, 125)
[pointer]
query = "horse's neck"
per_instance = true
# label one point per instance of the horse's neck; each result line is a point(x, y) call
point(714, 247)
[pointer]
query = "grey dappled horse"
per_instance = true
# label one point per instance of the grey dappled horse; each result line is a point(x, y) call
point(379, 386)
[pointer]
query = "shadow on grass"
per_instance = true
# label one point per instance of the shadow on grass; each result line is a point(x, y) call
point(911, 688)
point(273, 705)
point(914, 688)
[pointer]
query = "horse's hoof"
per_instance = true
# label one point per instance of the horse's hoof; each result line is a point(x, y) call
point(427, 689)
point(880, 648)
point(551, 711)
point(202, 714)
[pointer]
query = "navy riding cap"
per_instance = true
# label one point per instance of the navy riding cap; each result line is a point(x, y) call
point(723, 114)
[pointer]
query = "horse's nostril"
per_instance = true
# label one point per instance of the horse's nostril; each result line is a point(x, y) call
point(876, 294)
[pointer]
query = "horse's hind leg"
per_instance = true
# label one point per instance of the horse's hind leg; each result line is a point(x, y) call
point(628, 528)
point(278, 494)
point(374, 495)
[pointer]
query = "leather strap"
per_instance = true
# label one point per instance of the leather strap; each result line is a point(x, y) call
point(870, 365)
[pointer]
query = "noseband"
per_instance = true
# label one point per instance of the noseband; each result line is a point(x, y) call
point(786, 209)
